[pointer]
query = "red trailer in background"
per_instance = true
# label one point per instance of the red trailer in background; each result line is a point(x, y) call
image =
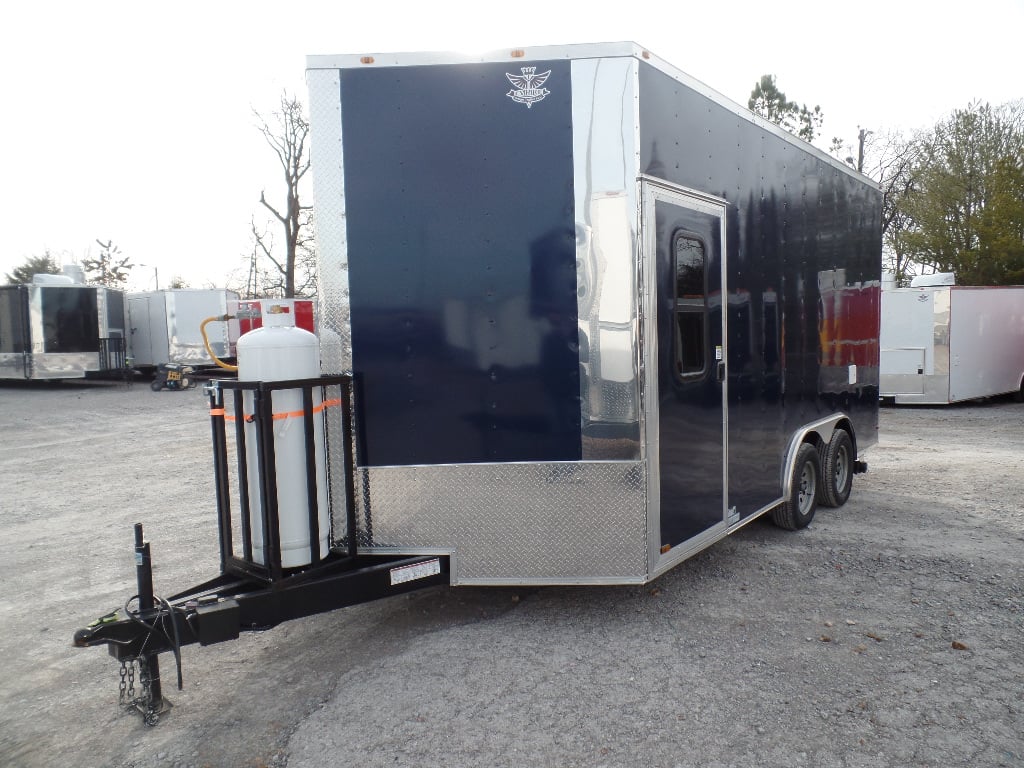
point(303, 309)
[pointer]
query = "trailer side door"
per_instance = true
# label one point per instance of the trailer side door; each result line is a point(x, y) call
point(685, 232)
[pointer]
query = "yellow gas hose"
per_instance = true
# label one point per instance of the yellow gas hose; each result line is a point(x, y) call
point(206, 341)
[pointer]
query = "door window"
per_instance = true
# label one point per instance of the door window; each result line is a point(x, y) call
point(690, 305)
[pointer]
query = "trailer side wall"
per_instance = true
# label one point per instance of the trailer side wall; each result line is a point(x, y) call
point(986, 342)
point(14, 343)
point(803, 276)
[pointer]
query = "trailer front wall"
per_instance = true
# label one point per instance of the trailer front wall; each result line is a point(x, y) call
point(915, 345)
point(64, 331)
point(804, 270)
point(479, 276)
point(461, 243)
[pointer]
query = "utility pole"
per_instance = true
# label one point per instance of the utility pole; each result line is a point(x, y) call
point(861, 135)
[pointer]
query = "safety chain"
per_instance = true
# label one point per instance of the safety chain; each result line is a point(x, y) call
point(126, 688)
point(126, 691)
point(149, 714)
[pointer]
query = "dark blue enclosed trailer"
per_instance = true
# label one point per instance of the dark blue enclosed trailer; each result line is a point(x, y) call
point(581, 317)
point(594, 309)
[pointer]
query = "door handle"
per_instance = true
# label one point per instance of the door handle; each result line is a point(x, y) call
point(720, 372)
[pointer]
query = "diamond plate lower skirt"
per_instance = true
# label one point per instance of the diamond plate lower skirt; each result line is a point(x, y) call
point(551, 523)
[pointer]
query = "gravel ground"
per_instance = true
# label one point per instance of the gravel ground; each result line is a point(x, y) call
point(888, 633)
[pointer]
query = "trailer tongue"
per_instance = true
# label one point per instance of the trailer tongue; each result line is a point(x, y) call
point(254, 590)
point(218, 610)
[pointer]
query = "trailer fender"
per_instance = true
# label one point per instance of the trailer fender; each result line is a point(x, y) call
point(818, 434)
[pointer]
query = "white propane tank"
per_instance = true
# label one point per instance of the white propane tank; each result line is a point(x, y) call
point(279, 351)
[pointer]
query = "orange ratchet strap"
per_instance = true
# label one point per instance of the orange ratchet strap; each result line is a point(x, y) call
point(215, 412)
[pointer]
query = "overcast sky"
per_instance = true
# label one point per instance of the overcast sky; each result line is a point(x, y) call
point(132, 121)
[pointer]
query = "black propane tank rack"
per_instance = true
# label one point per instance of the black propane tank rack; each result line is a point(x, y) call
point(336, 395)
point(255, 593)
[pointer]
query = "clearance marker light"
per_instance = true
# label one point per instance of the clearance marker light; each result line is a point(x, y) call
point(366, 60)
point(517, 53)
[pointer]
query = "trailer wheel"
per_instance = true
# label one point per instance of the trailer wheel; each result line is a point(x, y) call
point(836, 470)
point(798, 510)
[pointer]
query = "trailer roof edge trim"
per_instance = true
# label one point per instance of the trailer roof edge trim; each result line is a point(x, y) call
point(571, 52)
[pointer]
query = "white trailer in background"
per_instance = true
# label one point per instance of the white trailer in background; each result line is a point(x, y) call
point(164, 327)
point(945, 343)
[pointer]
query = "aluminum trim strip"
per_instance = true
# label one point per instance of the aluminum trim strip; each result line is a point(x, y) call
point(654, 190)
point(687, 549)
point(560, 582)
point(605, 157)
point(328, 160)
point(432, 58)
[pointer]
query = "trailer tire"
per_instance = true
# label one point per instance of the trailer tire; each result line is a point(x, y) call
point(836, 470)
point(156, 384)
point(797, 511)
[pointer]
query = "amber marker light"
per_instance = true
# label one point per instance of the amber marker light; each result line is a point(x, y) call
point(517, 53)
point(366, 60)
point(665, 548)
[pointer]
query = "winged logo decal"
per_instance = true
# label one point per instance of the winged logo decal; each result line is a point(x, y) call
point(527, 88)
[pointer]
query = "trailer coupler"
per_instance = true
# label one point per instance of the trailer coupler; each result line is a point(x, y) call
point(221, 608)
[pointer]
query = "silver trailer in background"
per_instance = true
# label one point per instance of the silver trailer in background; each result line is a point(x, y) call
point(57, 328)
point(945, 343)
point(164, 327)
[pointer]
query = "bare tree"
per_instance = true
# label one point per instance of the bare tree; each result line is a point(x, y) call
point(290, 273)
point(891, 158)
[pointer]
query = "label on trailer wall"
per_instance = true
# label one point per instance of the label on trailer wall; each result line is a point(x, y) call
point(415, 571)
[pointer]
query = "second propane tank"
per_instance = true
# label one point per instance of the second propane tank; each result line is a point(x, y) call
point(278, 351)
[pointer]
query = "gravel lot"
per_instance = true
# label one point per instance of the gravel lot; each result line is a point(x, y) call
point(888, 633)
